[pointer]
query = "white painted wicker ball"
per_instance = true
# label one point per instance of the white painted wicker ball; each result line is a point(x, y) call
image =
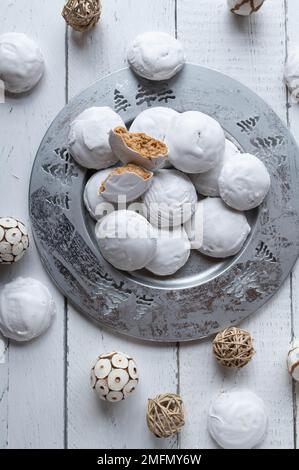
point(114, 376)
point(14, 240)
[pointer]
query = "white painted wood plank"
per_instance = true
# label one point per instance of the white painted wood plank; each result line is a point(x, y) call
point(92, 423)
point(35, 413)
point(95, 424)
point(293, 42)
point(253, 51)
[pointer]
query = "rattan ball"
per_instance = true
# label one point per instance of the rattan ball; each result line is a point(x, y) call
point(233, 347)
point(82, 15)
point(165, 414)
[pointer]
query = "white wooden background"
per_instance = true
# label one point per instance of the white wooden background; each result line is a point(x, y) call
point(45, 398)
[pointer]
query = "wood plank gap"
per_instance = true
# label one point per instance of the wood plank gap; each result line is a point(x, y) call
point(178, 387)
point(177, 344)
point(66, 64)
point(176, 18)
point(65, 379)
point(7, 388)
point(286, 88)
point(294, 394)
point(65, 434)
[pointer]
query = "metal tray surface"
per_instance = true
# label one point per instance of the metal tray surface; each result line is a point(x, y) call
point(206, 295)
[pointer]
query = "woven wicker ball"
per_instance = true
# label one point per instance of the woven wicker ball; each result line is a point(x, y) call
point(233, 347)
point(165, 414)
point(82, 15)
point(14, 240)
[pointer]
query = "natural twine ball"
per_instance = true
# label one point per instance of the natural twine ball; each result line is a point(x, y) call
point(82, 15)
point(233, 347)
point(165, 414)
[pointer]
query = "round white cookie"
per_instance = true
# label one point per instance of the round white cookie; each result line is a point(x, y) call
point(207, 183)
point(21, 62)
point(172, 252)
point(291, 73)
point(27, 309)
point(238, 419)
point(196, 142)
point(156, 123)
point(95, 203)
point(171, 199)
point(126, 183)
point(126, 240)
point(88, 139)
point(244, 182)
point(244, 7)
point(216, 230)
point(156, 56)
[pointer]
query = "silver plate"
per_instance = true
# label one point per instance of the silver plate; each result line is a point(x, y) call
point(205, 295)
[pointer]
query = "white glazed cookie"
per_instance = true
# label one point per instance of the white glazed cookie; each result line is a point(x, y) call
point(207, 183)
point(196, 142)
point(156, 56)
point(291, 73)
point(156, 123)
point(171, 199)
point(244, 182)
point(27, 309)
point(216, 230)
point(172, 252)
point(126, 240)
point(238, 419)
point(126, 183)
point(21, 62)
point(244, 7)
point(88, 139)
point(93, 199)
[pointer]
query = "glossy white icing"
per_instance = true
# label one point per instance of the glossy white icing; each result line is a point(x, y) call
point(156, 55)
point(207, 183)
point(223, 230)
point(244, 182)
point(172, 252)
point(171, 199)
point(88, 139)
point(27, 309)
point(21, 62)
point(126, 240)
point(196, 142)
point(237, 419)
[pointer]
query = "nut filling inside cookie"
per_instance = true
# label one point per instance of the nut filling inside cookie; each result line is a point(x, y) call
point(142, 143)
point(130, 168)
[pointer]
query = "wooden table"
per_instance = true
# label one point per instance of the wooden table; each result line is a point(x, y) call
point(45, 397)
